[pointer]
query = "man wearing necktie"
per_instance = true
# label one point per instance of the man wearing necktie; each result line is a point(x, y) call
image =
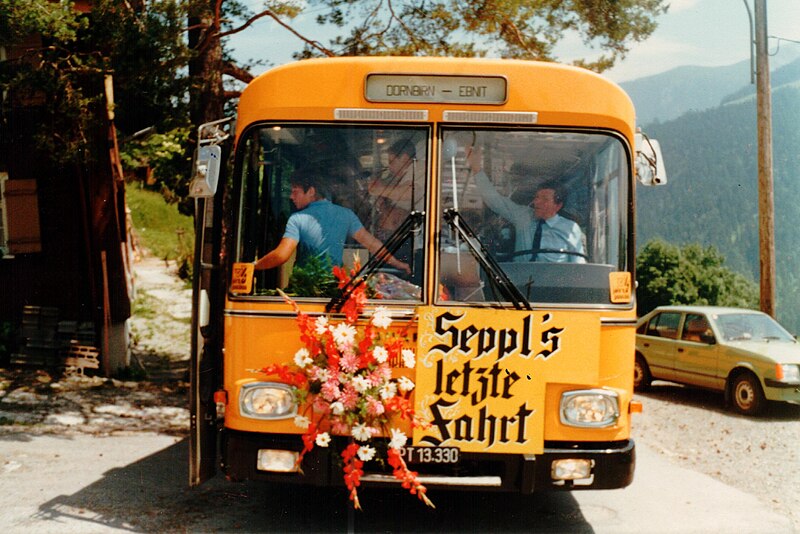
point(539, 228)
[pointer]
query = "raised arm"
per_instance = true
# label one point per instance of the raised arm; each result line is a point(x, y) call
point(503, 206)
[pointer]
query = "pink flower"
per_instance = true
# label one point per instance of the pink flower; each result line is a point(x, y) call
point(330, 390)
point(318, 373)
point(349, 362)
point(375, 407)
point(340, 428)
point(321, 406)
point(348, 397)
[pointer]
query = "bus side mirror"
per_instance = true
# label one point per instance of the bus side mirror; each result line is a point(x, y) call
point(649, 162)
point(206, 171)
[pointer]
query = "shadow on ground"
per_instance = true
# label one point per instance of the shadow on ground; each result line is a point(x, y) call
point(151, 495)
point(715, 401)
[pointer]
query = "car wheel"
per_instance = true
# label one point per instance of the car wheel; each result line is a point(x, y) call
point(746, 394)
point(641, 373)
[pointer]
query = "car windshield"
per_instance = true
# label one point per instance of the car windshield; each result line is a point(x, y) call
point(751, 326)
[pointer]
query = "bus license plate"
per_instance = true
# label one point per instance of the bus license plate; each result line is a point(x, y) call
point(430, 455)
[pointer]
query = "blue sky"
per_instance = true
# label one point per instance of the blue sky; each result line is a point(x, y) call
point(693, 32)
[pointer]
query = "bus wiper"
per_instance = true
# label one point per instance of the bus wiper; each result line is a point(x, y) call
point(409, 226)
point(497, 277)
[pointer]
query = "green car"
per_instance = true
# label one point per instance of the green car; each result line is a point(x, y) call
point(744, 353)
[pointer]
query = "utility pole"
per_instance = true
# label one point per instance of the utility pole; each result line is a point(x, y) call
point(766, 213)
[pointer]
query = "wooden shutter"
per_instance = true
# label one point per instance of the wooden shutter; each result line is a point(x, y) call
point(22, 205)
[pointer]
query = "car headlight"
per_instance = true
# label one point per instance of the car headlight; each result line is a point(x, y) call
point(589, 408)
point(788, 372)
point(267, 400)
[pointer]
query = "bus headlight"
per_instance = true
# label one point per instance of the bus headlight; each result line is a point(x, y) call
point(589, 408)
point(267, 400)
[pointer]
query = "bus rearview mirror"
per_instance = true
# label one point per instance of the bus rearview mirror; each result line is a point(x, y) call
point(650, 169)
point(206, 171)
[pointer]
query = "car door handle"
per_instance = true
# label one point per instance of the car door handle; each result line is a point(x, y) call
point(680, 350)
point(647, 344)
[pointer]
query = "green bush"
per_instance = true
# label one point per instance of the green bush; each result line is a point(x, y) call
point(161, 228)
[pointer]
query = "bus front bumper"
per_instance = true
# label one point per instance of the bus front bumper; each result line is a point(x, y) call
point(611, 466)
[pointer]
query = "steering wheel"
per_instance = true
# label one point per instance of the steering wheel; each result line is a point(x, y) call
point(532, 251)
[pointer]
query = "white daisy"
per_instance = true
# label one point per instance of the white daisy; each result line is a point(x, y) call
point(344, 334)
point(361, 383)
point(302, 421)
point(366, 453)
point(321, 325)
point(408, 358)
point(302, 358)
point(405, 384)
point(323, 439)
point(381, 317)
point(398, 440)
point(388, 390)
point(361, 432)
point(337, 408)
point(380, 354)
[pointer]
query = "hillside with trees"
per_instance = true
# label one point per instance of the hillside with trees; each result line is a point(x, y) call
point(711, 197)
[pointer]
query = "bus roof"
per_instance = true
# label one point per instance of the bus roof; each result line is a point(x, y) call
point(562, 95)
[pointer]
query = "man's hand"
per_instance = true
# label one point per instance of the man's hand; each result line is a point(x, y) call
point(474, 158)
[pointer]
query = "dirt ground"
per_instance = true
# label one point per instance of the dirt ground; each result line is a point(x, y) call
point(48, 401)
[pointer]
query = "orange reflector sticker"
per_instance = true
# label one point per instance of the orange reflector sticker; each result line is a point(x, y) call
point(221, 396)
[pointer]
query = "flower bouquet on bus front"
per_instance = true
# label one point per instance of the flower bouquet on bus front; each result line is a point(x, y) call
point(343, 385)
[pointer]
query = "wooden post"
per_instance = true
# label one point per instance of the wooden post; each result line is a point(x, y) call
point(766, 217)
point(106, 357)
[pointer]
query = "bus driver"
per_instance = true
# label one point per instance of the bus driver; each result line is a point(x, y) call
point(319, 228)
point(538, 226)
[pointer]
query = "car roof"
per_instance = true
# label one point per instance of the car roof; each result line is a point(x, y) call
point(719, 310)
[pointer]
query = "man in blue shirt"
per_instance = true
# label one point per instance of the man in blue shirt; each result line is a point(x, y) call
point(538, 226)
point(319, 228)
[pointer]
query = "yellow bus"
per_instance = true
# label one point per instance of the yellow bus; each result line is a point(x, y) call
point(500, 194)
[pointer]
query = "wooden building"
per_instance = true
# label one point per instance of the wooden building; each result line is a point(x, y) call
point(65, 277)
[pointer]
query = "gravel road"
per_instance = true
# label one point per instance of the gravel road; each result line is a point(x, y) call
point(759, 455)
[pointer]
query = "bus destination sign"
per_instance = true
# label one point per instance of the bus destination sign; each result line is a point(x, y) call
point(436, 89)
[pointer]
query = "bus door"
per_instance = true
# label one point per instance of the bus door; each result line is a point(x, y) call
point(208, 294)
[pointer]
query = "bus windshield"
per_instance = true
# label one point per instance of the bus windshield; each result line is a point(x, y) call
point(549, 208)
point(366, 180)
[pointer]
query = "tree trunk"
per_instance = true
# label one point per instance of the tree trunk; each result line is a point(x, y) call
point(207, 97)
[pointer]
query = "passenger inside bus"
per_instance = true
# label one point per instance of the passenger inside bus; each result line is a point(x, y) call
point(542, 233)
point(319, 227)
point(395, 192)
